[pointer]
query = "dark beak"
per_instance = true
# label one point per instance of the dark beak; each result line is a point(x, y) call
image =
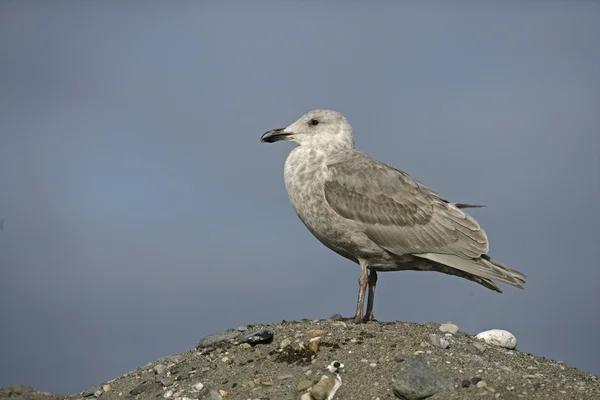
point(274, 135)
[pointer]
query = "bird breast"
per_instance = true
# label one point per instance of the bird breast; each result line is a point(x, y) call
point(305, 174)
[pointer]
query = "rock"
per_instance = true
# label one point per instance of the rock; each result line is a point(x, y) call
point(106, 387)
point(142, 387)
point(198, 387)
point(449, 327)
point(475, 380)
point(98, 393)
point(419, 381)
point(321, 389)
point(216, 338)
point(313, 344)
point(481, 384)
point(316, 332)
point(87, 393)
point(472, 349)
point(285, 377)
point(159, 368)
point(303, 385)
point(336, 317)
point(438, 341)
point(465, 383)
point(167, 381)
point(257, 337)
point(212, 395)
point(499, 337)
point(168, 394)
point(285, 343)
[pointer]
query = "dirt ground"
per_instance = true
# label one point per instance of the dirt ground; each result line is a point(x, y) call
point(378, 357)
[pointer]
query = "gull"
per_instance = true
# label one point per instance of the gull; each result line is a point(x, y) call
point(378, 216)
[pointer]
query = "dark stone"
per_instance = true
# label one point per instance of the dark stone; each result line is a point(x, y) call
point(216, 338)
point(475, 381)
point(142, 387)
point(336, 317)
point(419, 381)
point(257, 337)
point(466, 383)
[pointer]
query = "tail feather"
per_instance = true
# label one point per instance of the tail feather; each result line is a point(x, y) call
point(483, 267)
point(467, 205)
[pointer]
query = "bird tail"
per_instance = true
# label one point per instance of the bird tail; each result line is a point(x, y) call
point(483, 267)
point(467, 205)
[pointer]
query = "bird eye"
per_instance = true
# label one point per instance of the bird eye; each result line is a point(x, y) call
point(314, 122)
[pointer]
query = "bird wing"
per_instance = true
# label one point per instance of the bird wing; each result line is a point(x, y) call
point(399, 213)
point(403, 216)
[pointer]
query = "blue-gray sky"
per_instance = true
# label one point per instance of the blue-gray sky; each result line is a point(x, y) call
point(141, 212)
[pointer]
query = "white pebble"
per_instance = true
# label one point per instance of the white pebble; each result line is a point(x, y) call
point(198, 387)
point(168, 394)
point(449, 327)
point(499, 337)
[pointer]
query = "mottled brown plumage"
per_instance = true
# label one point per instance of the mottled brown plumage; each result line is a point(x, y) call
point(376, 215)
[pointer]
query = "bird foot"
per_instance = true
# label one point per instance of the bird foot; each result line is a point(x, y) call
point(359, 319)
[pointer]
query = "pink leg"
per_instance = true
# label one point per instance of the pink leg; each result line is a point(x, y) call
point(362, 288)
point(372, 283)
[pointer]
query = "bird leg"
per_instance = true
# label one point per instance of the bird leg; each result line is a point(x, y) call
point(362, 288)
point(372, 283)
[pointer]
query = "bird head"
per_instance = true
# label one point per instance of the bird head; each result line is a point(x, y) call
point(320, 128)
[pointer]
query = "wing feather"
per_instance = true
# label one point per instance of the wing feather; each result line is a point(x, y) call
point(400, 213)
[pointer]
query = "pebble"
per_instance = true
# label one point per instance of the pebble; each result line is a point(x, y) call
point(159, 368)
point(321, 389)
point(213, 395)
point(141, 388)
point(98, 393)
point(438, 341)
point(88, 393)
point(285, 343)
point(313, 344)
point(198, 387)
point(481, 384)
point(498, 337)
point(449, 327)
point(316, 332)
point(257, 337)
point(303, 385)
point(284, 377)
point(168, 394)
point(472, 349)
point(168, 381)
point(465, 383)
point(419, 381)
point(336, 317)
point(216, 338)
point(242, 328)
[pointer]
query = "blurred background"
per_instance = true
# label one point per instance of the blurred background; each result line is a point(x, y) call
point(142, 213)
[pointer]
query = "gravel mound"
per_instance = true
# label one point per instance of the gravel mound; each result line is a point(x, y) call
point(382, 360)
